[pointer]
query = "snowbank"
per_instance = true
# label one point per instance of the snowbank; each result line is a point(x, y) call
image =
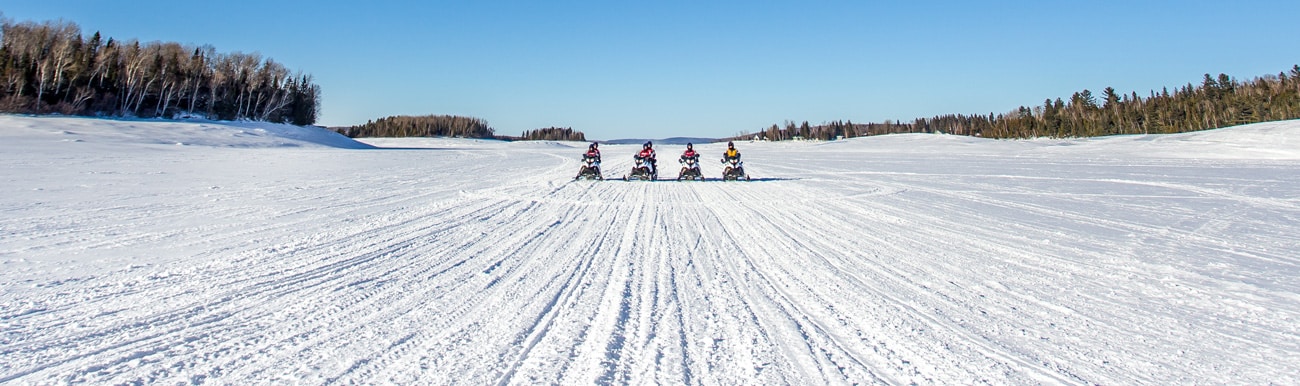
point(237, 134)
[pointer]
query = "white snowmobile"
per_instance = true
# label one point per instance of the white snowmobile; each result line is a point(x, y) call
point(733, 170)
point(643, 170)
point(690, 169)
point(590, 169)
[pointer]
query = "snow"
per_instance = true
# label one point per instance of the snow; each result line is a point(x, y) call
point(274, 254)
point(183, 133)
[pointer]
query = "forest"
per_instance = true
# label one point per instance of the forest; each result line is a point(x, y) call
point(50, 67)
point(1217, 102)
point(451, 126)
point(421, 126)
point(553, 134)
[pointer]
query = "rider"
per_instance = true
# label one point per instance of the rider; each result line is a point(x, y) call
point(594, 152)
point(690, 153)
point(648, 153)
point(731, 152)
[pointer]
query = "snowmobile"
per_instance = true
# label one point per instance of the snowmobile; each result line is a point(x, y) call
point(690, 169)
point(734, 169)
point(643, 170)
point(590, 169)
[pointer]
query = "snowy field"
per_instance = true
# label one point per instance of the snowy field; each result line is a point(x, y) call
point(234, 253)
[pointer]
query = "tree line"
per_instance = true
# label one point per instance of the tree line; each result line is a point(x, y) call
point(553, 134)
point(451, 126)
point(1217, 102)
point(50, 67)
point(422, 126)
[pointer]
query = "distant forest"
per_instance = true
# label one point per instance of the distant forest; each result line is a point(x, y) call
point(1216, 102)
point(451, 126)
point(553, 134)
point(422, 126)
point(50, 68)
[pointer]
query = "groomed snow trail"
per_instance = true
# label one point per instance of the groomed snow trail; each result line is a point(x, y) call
point(862, 261)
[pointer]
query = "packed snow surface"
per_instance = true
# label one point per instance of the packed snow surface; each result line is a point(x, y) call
point(271, 254)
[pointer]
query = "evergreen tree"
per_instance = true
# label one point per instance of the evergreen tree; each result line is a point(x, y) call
point(48, 67)
point(1217, 102)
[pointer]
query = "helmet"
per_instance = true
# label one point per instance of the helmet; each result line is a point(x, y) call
point(593, 146)
point(647, 144)
point(688, 145)
point(730, 145)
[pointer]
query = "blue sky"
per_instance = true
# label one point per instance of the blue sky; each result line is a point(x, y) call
point(711, 69)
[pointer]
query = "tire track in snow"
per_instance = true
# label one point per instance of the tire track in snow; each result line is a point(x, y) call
point(363, 236)
point(751, 225)
point(1006, 243)
point(549, 313)
point(243, 290)
point(893, 288)
point(1073, 270)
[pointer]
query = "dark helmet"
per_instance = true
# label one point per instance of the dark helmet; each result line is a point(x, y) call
point(647, 144)
point(592, 146)
point(730, 145)
point(688, 145)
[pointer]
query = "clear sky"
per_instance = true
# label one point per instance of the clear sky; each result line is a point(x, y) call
point(615, 69)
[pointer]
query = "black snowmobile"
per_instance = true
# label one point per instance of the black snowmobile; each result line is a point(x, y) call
point(690, 169)
point(734, 169)
point(643, 170)
point(590, 169)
